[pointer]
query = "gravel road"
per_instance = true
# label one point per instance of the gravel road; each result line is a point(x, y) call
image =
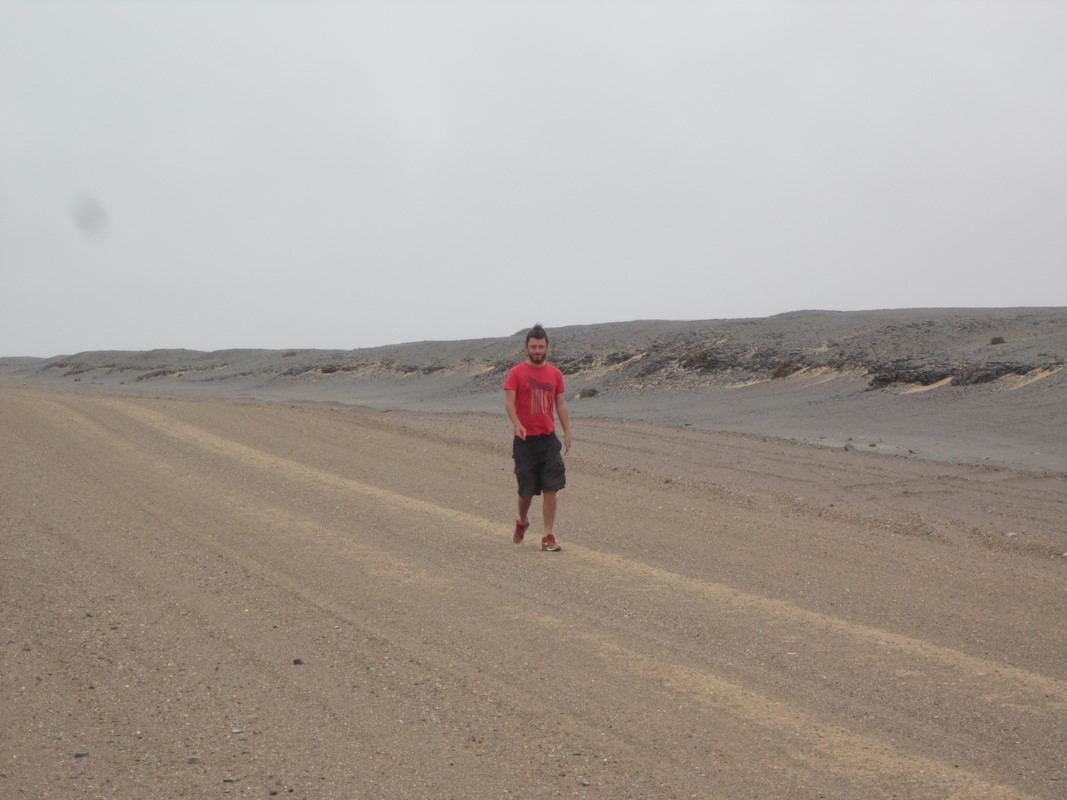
point(208, 598)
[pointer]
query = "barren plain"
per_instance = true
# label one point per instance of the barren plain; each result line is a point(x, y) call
point(813, 556)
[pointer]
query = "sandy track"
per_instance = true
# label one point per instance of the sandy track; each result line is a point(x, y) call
point(731, 617)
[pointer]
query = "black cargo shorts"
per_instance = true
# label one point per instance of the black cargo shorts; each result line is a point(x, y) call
point(539, 464)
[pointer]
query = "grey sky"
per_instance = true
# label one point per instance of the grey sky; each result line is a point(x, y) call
point(220, 174)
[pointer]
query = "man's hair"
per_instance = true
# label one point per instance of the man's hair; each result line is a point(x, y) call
point(536, 332)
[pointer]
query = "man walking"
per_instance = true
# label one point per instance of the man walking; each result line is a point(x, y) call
point(533, 396)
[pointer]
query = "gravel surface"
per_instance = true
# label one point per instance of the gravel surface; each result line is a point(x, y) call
point(210, 595)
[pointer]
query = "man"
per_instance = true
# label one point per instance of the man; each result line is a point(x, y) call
point(533, 396)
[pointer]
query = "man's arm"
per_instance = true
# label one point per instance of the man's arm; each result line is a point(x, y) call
point(509, 406)
point(564, 414)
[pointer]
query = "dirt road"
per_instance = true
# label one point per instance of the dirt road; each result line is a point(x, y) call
point(212, 599)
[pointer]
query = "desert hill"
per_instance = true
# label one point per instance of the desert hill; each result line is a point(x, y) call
point(962, 384)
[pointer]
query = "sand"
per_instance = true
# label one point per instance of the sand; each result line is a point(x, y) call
point(291, 573)
point(961, 385)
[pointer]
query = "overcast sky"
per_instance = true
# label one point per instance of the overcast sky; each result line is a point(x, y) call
point(287, 174)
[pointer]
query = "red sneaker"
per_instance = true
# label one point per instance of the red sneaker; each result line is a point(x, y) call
point(550, 544)
point(520, 531)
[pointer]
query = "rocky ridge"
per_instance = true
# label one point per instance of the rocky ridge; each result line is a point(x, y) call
point(914, 347)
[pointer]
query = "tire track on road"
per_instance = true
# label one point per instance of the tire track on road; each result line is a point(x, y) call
point(851, 753)
point(1048, 692)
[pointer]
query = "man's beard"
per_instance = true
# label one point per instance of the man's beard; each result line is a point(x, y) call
point(536, 358)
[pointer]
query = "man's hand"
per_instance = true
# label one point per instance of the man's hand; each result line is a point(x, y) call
point(509, 406)
point(564, 413)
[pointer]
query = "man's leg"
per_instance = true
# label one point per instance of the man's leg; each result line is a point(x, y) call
point(524, 507)
point(548, 508)
point(521, 524)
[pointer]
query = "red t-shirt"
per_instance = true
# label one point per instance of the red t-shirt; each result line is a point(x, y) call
point(535, 395)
